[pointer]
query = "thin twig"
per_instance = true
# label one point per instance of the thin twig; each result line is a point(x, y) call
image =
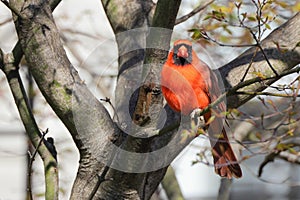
point(100, 180)
point(6, 21)
point(259, 8)
point(266, 94)
point(232, 91)
point(107, 99)
point(207, 37)
point(32, 158)
point(193, 12)
point(264, 54)
point(250, 64)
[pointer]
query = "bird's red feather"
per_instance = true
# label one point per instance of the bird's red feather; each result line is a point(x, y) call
point(193, 85)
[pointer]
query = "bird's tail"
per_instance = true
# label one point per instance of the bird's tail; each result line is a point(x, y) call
point(225, 162)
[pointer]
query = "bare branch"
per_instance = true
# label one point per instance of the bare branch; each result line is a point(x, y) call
point(171, 185)
point(6, 21)
point(21, 100)
point(224, 190)
point(65, 92)
point(290, 157)
point(205, 36)
point(268, 158)
point(282, 61)
point(267, 94)
point(193, 12)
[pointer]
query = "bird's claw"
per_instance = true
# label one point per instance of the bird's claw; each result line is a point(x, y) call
point(196, 117)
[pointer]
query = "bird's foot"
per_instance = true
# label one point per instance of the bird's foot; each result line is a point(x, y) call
point(197, 119)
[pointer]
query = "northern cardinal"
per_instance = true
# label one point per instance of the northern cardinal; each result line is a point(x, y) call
point(187, 84)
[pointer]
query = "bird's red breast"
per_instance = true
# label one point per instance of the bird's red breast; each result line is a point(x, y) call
point(188, 83)
point(183, 84)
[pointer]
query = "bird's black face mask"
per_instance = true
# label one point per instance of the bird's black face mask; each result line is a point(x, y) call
point(182, 54)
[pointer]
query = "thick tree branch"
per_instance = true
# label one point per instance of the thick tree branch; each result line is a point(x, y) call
point(224, 190)
point(164, 17)
point(85, 117)
point(171, 185)
point(88, 122)
point(133, 71)
point(282, 59)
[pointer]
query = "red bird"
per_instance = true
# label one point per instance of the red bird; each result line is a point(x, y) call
point(187, 84)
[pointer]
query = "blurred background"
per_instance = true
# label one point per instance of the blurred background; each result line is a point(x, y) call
point(91, 47)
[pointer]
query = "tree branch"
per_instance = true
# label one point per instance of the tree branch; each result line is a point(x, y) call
point(84, 116)
point(288, 36)
point(171, 186)
point(54, 4)
point(87, 120)
point(193, 12)
point(224, 190)
point(18, 91)
point(12, 8)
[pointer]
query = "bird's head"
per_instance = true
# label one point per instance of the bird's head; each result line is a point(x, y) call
point(182, 52)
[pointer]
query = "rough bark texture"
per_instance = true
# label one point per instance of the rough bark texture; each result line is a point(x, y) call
point(95, 134)
point(65, 92)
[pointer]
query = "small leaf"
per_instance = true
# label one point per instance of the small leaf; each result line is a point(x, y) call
point(200, 131)
point(280, 147)
point(269, 101)
point(283, 147)
point(218, 15)
point(197, 33)
point(268, 26)
point(291, 132)
point(254, 136)
point(235, 112)
point(218, 136)
point(259, 74)
point(225, 27)
point(207, 17)
point(293, 151)
point(210, 120)
point(251, 18)
point(258, 136)
point(246, 157)
point(194, 162)
point(296, 7)
point(244, 16)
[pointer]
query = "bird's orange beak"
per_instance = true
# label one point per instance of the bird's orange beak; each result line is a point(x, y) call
point(183, 52)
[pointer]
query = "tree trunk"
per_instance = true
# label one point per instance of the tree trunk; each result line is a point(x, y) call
point(115, 162)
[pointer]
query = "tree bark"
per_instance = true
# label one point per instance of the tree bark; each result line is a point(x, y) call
point(85, 117)
point(37, 139)
point(102, 143)
point(287, 36)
